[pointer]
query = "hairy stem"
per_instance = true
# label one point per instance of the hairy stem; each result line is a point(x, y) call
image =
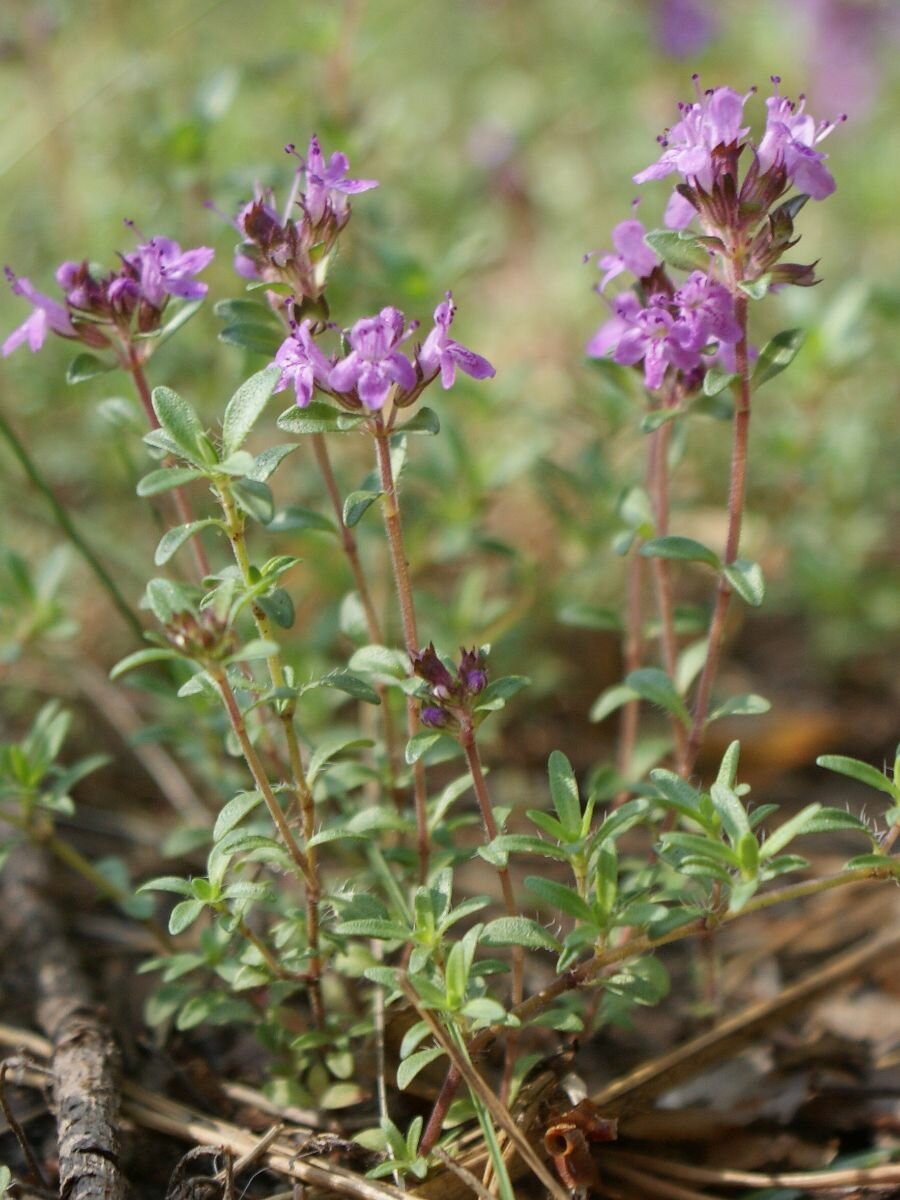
point(633, 654)
point(182, 504)
point(400, 567)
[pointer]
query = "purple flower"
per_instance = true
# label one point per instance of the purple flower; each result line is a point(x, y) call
point(632, 253)
point(374, 363)
point(472, 673)
point(48, 316)
point(302, 364)
point(660, 340)
point(706, 312)
point(329, 184)
point(790, 138)
point(626, 309)
point(441, 352)
point(165, 270)
point(714, 120)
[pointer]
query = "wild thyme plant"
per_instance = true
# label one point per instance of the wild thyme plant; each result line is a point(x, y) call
point(329, 896)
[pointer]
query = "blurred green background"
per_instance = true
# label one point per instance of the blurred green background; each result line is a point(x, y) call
point(505, 134)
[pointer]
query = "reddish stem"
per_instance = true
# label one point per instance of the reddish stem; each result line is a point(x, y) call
point(400, 566)
point(736, 495)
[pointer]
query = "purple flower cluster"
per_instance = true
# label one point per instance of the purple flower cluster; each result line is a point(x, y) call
point(704, 144)
point(108, 310)
point(295, 250)
point(374, 366)
point(450, 694)
point(684, 330)
point(677, 332)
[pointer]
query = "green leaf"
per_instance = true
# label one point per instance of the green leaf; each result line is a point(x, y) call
point(166, 883)
point(607, 702)
point(346, 681)
point(422, 742)
point(166, 597)
point(677, 793)
point(860, 771)
point(174, 539)
point(731, 812)
point(166, 478)
point(756, 289)
point(357, 505)
point(654, 420)
point(253, 336)
point(564, 792)
point(519, 931)
point(246, 407)
point(140, 658)
point(278, 607)
point(180, 422)
point(234, 812)
point(294, 518)
point(411, 1066)
point(655, 686)
point(679, 249)
point(268, 461)
point(183, 915)
point(881, 861)
point(238, 463)
point(746, 705)
point(255, 649)
point(747, 580)
point(684, 549)
point(716, 380)
point(329, 748)
point(589, 616)
point(560, 897)
point(830, 820)
point(385, 931)
point(318, 417)
point(776, 355)
point(523, 843)
point(255, 499)
point(424, 421)
point(797, 825)
point(87, 366)
point(498, 691)
point(235, 310)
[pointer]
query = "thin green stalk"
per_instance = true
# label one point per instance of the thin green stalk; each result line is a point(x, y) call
point(400, 566)
point(65, 523)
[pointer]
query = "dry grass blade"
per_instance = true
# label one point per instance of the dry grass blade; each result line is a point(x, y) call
point(653, 1185)
point(880, 1176)
point(471, 1181)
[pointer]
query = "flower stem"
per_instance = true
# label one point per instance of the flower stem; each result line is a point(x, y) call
point(182, 504)
point(632, 653)
point(736, 496)
point(394, 530)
